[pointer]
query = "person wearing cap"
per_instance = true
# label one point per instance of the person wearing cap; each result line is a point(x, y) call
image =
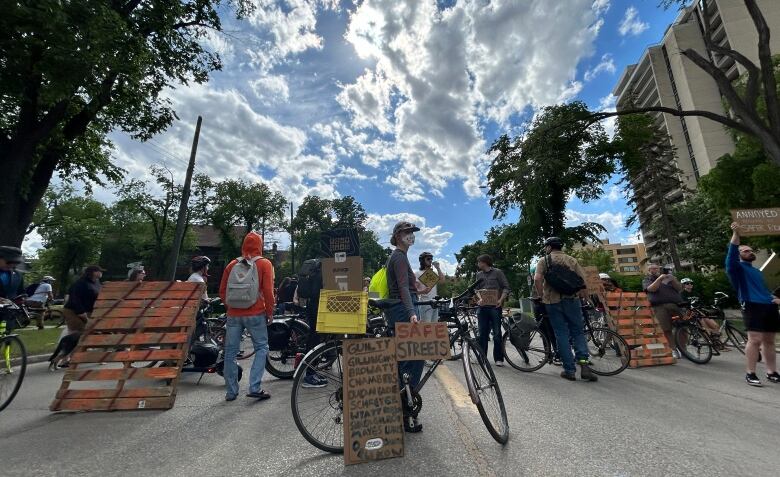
point(136, 274)
point(11, 281)
point(710, 325)
point(199, 268)
point(401, 283)
point(565, 311)
point(42, 296)
point(81, 298)
point(428, 314)
point(609, 283)
point(489, 315)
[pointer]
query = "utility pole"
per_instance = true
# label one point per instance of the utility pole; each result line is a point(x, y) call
point(185, 199)
point(292, 242)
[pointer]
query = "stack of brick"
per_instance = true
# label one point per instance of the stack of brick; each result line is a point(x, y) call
point(632, 317)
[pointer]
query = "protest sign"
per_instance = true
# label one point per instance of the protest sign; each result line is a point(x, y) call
point(418, 341)
point(754, 222)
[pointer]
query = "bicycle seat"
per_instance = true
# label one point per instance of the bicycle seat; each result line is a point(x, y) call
point(383, 304)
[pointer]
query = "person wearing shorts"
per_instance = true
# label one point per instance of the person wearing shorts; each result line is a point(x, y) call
point(663, 293)
point(760, 310)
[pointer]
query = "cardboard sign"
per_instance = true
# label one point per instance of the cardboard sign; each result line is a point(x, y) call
point(342, 273)
point(429, 278)
point(418, 341)
point(753, 222)
point(488, 297)
point(373, 419)
point(340, 241)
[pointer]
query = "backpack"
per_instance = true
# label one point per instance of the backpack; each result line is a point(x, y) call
point(379, 284)
point(30, 290)
point(243, 284)
point(310, 279)
point(561, 278)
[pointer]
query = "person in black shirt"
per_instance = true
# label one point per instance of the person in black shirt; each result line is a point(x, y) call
point(81, 298)
point(11, 282)
point(489, 314)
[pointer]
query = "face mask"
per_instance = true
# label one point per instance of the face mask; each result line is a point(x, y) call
point(408, 239)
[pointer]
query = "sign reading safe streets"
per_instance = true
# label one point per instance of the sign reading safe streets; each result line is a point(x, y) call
point(418, 341)
point(753, 222)
point(373, 423)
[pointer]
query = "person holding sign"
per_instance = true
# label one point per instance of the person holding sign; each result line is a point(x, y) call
point(759, 308)
point(429, 283)
point(489, 311)
point(402, 285)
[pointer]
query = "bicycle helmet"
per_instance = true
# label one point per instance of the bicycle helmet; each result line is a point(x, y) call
point(686, 280)
point(48, 278)
point(554, 242)
point(199, 262)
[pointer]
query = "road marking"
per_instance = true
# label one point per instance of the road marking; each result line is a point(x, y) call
point(459, 395)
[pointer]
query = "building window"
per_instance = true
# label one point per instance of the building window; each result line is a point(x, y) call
point(687, 136)
point(626, 251)
point(629, 269)
point(628, 259)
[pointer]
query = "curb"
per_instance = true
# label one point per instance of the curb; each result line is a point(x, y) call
point(38, 358)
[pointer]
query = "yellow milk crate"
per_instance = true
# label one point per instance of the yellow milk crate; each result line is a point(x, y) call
point(342, 312)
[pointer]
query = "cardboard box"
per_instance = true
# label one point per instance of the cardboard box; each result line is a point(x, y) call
point(342, 273)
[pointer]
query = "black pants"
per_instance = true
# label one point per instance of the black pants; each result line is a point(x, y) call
point(489, 319)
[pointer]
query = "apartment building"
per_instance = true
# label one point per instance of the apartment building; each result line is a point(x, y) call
point(629, 259)
point(664, 77)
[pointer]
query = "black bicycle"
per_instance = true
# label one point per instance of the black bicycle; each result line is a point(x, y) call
point(527, 346)
point(318, 412)
point(13, 361)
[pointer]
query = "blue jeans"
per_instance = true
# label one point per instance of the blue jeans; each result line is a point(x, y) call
point(489, 319)
point(567, 323)
point(233, 330)
point(398, 314)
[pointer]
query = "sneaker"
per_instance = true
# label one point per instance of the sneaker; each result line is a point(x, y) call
point(260, 396)
point(774, 377)
point(500, 364)
point(557, 362)
point(313, 381)
point(752, 379)
point(586, 374)
point(675, 354)
point(569, 376)
point(230, 397)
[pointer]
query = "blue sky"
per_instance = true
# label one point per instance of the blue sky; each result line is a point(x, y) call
point(395, 102)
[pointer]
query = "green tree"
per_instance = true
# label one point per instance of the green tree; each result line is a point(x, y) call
point(72, 229)
point(500, 244)
point(594, 257)
point(72, 71)
point(540, 172)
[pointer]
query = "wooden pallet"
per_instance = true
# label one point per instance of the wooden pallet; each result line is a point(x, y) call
point(132, 322)
point(632, 317)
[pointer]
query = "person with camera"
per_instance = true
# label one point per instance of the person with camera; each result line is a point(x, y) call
point(663, 293)
point(428, 314)
point(760, 310)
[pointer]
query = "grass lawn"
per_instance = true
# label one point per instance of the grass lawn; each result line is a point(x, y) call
point(39, 341)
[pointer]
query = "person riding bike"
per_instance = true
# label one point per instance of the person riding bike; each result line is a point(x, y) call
point(710, 325)
point(199, 268)
point(40, 298)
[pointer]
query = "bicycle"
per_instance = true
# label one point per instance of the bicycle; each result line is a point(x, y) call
point(692, 339)
point(13, 361)
point(527, 347)
point(736, 336)
point(318, 412)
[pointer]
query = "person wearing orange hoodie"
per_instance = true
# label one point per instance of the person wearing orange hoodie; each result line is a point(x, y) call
point(255, 318)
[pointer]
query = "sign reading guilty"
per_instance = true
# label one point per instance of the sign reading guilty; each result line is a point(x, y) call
point(373, 424)
point(418, 341)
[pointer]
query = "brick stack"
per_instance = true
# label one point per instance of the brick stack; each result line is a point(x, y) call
point(632, 317)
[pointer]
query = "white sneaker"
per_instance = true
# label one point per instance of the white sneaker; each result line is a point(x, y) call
point(500, 364)
point(675, 354)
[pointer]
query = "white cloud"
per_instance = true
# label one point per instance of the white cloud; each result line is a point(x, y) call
point(614, 222)
point(607, 104)
point(271, 89)
point(631, 24)
point(600, 6)
point(614, 194)
point(32, 243)
point(428, 239)
point(437, 74)
point(607, 65)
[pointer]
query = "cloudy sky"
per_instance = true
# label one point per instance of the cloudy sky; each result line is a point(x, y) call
point(395, 102)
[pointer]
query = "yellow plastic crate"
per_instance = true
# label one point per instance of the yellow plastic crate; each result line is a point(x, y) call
point(342, 312)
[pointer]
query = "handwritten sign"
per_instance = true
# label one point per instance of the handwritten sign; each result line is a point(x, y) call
point(373, 420)
point(488, 297)
point(418, 341)
point(753, 222)
point(429, 278)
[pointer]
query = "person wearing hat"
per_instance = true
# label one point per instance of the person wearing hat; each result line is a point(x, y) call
point(43, 295)
point(137, 273)
point(609, 283)
point(401, 283)
point(11, 282)
point(428, 314)
point(81, 298)
point(709, 324)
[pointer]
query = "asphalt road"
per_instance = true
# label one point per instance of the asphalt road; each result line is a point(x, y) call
point(672, 420)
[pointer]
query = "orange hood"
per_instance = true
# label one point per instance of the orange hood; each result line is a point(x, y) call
point(253, 245)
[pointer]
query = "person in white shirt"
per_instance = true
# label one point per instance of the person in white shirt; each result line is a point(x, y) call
point(199, 266)
point(431, 269)
point(43, 295)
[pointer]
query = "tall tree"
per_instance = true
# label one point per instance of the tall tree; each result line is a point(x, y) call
point(753, 103)
point(539, 173)
point(594, 257)
point(72, 71)
point(501, 245)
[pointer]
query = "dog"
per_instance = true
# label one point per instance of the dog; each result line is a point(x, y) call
point(66, 346)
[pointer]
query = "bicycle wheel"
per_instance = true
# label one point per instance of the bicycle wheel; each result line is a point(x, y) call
point(246, 349)
point(456, 343)
point(318, 412)
point(13, 365)
point(693, 344)
point(146, 364)
point(485, 393)
point(281, 363)
point(609, 352)
point(737, 337)
point(526, 356)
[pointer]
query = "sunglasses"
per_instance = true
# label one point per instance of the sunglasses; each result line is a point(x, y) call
point(747, 250)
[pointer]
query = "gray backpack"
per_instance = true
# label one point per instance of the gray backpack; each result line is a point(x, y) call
point(243, 285)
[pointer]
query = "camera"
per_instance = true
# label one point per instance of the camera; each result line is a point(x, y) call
point(666, 271)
